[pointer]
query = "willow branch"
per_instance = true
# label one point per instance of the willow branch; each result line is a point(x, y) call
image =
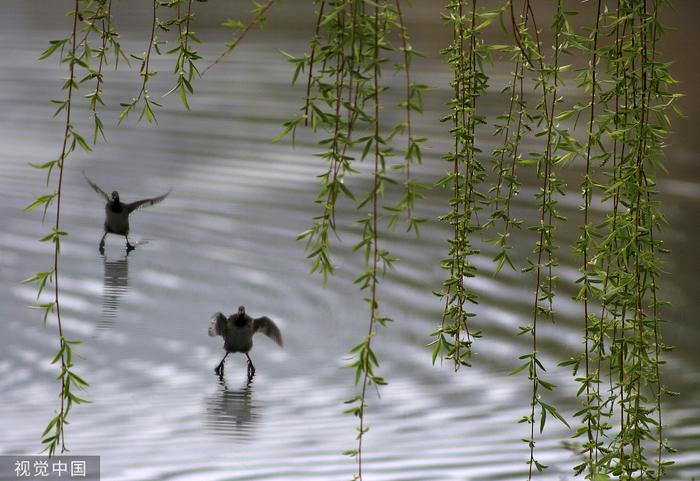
point(259, 15)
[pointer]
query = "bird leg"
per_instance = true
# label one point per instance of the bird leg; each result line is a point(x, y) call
point(129, 247)
point(220, 368)
point(251, 368)
point(102, 243)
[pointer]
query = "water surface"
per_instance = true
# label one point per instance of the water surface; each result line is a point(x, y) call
point(226, 236)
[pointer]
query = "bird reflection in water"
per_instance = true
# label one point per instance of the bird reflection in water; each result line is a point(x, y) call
point(232, 413)
point(116, 284)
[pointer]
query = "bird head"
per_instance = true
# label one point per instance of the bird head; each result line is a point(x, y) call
point(115, 196)
point(240, 319)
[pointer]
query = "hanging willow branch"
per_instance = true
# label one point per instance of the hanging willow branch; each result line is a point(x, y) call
point(366, 360)
point(258, 19)
point(453, 340)
point(54, 433)
point(413, 102)
point(146, 73)
point(545, 162)
point(506, 159)
point(185, 67)
point(103, 13)
point(622, 268)
point(592, 380)
point(343, 100)
point(620, 265)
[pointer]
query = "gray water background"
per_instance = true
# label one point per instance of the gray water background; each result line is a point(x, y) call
point(225, 237)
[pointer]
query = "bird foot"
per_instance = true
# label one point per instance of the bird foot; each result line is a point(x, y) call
point(101, 248)
point(219, 370)
point(251, 370)
point(129, 247)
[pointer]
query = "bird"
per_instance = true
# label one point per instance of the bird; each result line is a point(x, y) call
point(237, 331)
point(117, 213)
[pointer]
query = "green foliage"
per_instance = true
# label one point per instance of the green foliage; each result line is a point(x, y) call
point(76, 54)
point(70, 381)
point(620, 253)
point(258, 19)
point(540, 122)
point(626, 90)
point(619, 262)
point(185, 68)
point(351, 43)
point(466, 57)
point(144, 97)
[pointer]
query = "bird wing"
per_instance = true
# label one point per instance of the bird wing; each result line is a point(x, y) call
point(97, 189)
point(269, 328)
point(140, 204)
point(216, 324)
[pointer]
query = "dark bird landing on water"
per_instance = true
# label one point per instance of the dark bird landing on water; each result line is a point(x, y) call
point(117, 213)
point(237, 331)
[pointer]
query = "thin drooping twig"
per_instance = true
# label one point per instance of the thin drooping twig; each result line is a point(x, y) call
point(655, 302)
point(639, 315)
point(506, 136)
point(587, 193)
point(146, 74)
point(106, 29)
point(460, 123)
point(457, 39)
point(147, 59)
point(104, 45)
point(516, 36)
point(340, 83)
point(312, 57)
point(406, 62)
point(544, 244)
point(650, 59)
point(375, 242)
point(617, 160)
point(60, 424)
point(187, 24)
point(260, 13)
point(469, 120)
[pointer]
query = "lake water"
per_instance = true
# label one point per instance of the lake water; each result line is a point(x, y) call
point(225, 237)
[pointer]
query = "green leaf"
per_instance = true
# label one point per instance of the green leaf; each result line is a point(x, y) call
point(54, 45)
point(42, 200)
point(51, 424)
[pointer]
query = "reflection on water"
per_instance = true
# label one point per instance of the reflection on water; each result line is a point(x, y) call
point(116, 285)
point(232, 412)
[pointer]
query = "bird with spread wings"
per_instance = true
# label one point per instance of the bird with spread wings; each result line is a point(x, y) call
point(117, 213)
point(237, 331)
